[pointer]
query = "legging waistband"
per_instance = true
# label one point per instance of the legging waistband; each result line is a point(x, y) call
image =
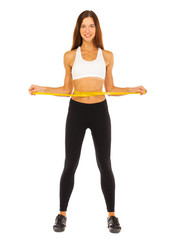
point(104, 102)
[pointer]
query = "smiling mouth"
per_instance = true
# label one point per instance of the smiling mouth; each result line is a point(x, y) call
point(88, 35)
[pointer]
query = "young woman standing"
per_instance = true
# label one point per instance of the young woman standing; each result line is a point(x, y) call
point(88, 66)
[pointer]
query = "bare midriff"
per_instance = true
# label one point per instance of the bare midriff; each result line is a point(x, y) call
point(89, 84)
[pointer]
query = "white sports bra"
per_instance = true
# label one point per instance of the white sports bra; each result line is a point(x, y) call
point(83, 68)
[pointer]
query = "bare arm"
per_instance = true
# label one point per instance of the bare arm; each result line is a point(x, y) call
point(109, 83)
point(68, 82)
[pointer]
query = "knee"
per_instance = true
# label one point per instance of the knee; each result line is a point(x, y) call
point(105, 168)
point(70, 165)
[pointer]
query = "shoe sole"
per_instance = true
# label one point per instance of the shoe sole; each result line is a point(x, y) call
point(114, 230)
point(59, 230)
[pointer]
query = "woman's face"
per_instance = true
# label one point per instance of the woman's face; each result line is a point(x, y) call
point(87, 29)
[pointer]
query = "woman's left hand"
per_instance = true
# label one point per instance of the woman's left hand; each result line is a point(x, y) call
point(139, 89)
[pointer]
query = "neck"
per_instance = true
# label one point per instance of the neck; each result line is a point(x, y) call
point(88, 46)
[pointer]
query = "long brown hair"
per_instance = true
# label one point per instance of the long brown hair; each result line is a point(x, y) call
point(77, 39)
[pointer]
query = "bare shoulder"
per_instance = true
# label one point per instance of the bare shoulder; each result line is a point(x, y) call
point(69, 57)
point(108, 56)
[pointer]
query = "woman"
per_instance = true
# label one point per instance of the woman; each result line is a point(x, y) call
point(88, 66)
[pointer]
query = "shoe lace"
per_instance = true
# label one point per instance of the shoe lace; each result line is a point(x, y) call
point(115, 219)
point(59, 217)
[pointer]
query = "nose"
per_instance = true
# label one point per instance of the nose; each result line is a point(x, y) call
point(87, 29)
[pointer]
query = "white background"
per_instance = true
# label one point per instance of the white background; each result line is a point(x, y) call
point(34, 37)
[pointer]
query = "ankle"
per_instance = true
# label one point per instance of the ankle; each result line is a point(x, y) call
point(111, 214)
point(63, 213)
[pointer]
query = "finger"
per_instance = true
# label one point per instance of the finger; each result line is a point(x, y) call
point(32, 88)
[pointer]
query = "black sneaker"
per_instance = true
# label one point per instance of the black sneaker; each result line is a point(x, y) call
point(113, 224)
point(60, 223)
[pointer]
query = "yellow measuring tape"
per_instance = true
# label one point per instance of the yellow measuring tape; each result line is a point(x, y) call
point(87, 94)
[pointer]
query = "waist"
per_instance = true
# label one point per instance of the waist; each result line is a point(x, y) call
point(75, 102)
point(89, 99)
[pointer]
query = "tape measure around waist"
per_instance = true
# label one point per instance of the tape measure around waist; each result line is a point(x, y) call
point(86, 94)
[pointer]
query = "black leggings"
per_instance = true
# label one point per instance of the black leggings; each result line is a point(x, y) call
point(94, 116)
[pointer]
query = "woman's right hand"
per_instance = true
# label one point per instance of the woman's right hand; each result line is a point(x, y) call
point(35, 88)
